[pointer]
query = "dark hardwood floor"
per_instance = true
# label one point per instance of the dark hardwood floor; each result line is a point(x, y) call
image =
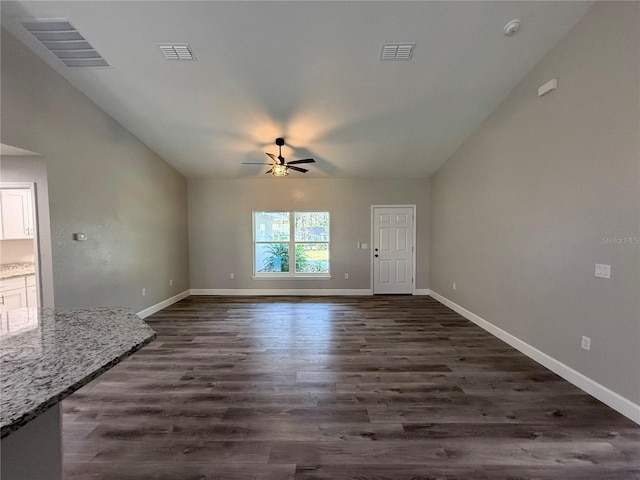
point(384, 387)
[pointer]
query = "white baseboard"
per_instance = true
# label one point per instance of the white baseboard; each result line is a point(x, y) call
point(282, 291)
point(616, 401)
point(292, 291)
point(164, 304)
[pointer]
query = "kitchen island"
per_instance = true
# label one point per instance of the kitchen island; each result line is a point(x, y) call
point(53, 354)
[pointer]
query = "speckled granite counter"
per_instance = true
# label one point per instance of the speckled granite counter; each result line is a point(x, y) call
point(10, 270)
point(56, 353)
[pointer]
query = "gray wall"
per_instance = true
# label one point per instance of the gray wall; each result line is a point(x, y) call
point(220, 231)
point(521, 213)
point(103, 182)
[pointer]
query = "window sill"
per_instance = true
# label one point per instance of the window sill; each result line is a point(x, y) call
point(291, 277)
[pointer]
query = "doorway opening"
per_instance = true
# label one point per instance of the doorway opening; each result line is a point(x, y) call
point(20, 295)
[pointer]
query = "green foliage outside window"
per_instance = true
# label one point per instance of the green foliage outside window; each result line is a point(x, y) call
point(280, 251)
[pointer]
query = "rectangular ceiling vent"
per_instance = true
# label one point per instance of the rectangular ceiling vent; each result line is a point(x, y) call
point(176, 51)
point(397, 51)
point(65, 42)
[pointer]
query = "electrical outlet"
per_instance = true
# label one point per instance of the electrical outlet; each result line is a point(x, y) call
point(346, 276)
point(170, 282)
point(586, 343)
point(454, 285)
point(144, 292)
point(232, 276)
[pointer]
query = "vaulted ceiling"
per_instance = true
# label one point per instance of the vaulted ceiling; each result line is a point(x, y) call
point(308, 71)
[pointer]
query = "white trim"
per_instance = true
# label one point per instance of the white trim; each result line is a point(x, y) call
point(282, 291)
point(421, 291)
point(616, 401)
point(415, 245)
point(163, 304)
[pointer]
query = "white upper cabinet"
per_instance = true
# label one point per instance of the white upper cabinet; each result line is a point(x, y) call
point(16, 209)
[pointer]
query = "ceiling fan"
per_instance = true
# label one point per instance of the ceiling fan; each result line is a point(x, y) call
point(281, 168)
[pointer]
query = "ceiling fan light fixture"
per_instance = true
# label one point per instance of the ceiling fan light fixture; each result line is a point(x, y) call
point(279, 167)
point(280, 171)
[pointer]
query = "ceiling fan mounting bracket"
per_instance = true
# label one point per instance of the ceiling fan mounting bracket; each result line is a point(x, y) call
point(280, 141)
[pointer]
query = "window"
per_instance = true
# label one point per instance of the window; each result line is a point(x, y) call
point(290, 244)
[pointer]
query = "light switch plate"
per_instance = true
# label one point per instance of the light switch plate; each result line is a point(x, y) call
point(550, 86)
point(603, 271)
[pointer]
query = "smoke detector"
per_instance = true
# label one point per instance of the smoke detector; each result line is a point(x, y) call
point(512, 27)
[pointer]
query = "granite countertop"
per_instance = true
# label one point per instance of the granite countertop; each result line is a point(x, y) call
point(53, 353)
point(10, 270)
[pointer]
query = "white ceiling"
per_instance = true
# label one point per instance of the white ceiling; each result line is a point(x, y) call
point(306, 70)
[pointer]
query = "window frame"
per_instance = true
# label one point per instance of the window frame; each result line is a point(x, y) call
point(292, 247)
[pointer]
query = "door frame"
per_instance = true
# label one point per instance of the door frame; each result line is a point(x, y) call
point(415, 246)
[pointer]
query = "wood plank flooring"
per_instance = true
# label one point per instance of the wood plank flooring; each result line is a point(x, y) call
point(317, 388)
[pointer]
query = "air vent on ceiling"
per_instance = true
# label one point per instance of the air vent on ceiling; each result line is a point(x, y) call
point(397, 51)
point(176, 51)
point(65, 42)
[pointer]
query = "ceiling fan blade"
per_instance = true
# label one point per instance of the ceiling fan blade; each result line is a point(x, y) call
point(303, 170)
point(254, 163)
point(268, 171)
point(304, 160)
point(273, 157)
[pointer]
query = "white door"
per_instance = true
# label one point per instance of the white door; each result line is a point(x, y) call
point(393, 249)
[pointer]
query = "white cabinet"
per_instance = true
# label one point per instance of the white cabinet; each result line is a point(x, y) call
point(13, 295)
point(12, 299)
point(16, 293)
point(16, 213)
